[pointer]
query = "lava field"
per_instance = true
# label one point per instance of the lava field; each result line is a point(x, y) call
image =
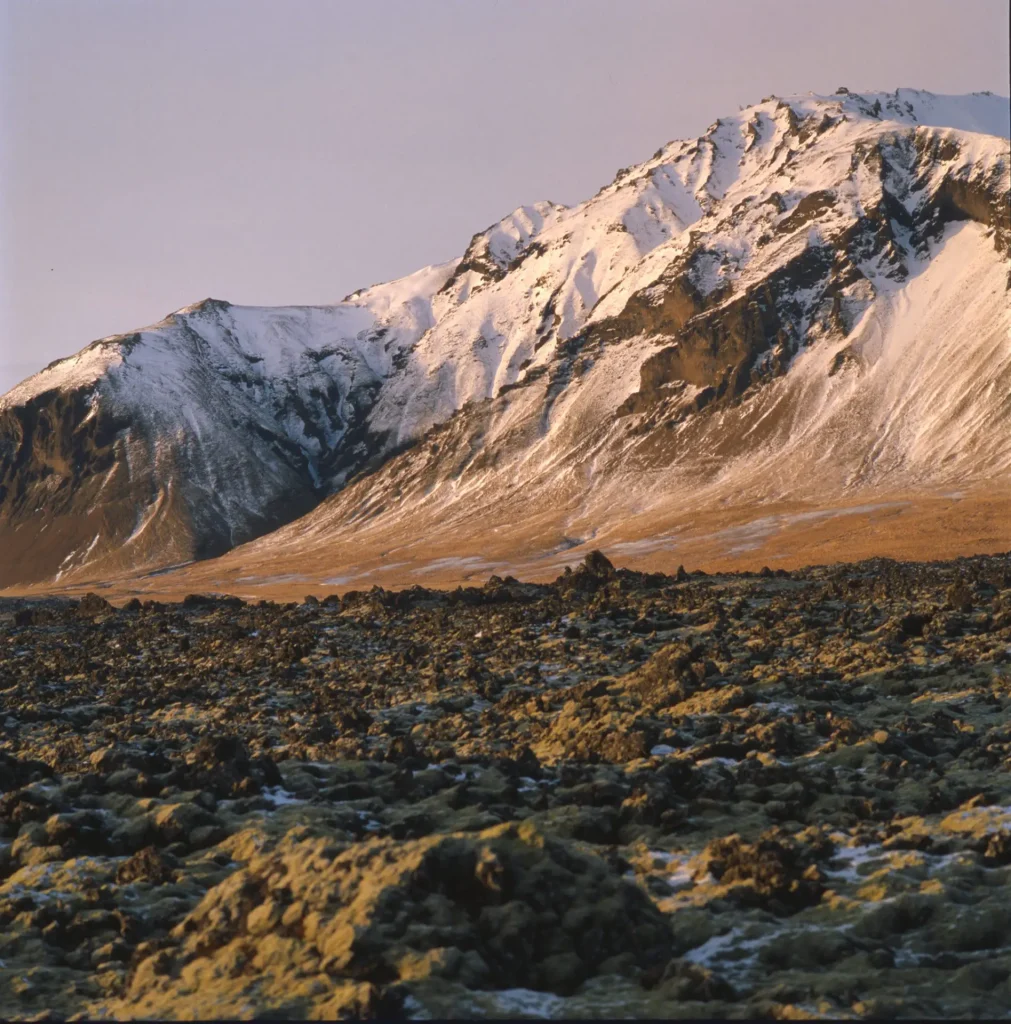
point(776, 794)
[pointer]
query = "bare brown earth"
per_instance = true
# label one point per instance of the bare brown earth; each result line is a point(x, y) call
point(787, 534)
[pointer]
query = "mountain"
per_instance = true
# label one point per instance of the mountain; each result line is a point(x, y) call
point(808, 304)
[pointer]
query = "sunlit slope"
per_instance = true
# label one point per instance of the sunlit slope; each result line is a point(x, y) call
point(807, 304)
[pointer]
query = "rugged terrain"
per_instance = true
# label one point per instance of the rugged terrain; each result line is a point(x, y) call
point(800, 316)
point(617, 794)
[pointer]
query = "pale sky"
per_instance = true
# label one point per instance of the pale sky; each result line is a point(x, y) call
point(155, 152)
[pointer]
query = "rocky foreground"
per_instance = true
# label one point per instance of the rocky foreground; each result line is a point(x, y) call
point(619, 794)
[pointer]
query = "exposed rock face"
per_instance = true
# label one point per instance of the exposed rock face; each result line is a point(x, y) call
point(178, 442)
point(738, 296)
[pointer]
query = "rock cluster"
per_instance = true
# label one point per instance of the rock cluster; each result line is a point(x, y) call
point(619, 794)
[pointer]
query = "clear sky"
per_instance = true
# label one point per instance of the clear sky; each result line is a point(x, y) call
point(155, 152)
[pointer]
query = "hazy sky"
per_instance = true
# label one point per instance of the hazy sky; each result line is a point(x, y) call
point(155, 152)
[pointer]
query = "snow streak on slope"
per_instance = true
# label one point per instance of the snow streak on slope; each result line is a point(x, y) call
point(187, 437)
point(509, 305)
point(739, 315)
point(918, 394)
point(518, 293)
point(922, 399)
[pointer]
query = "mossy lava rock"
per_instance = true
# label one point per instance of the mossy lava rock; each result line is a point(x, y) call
point(314, 929)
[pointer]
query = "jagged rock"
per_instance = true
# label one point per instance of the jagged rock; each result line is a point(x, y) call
point(147, 865)
point(596, 564)
point(776, 872)
point(92, 604)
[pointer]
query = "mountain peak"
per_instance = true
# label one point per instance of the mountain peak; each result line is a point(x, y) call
point(730, 303)
point(207, 305)
point(981, 112)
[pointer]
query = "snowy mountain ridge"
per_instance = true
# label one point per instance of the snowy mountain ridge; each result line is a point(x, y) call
point(672, 298)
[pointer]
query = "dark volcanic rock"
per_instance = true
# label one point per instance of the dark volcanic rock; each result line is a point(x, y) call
point(787, 791)
point(502, 909)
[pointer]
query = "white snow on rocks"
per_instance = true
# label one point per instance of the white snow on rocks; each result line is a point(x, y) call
point(921, 393)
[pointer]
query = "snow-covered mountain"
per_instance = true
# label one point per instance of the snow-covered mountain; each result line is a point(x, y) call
point(810, 299)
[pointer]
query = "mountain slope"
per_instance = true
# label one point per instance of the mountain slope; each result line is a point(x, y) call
point(182, 439)
point(808, 303)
